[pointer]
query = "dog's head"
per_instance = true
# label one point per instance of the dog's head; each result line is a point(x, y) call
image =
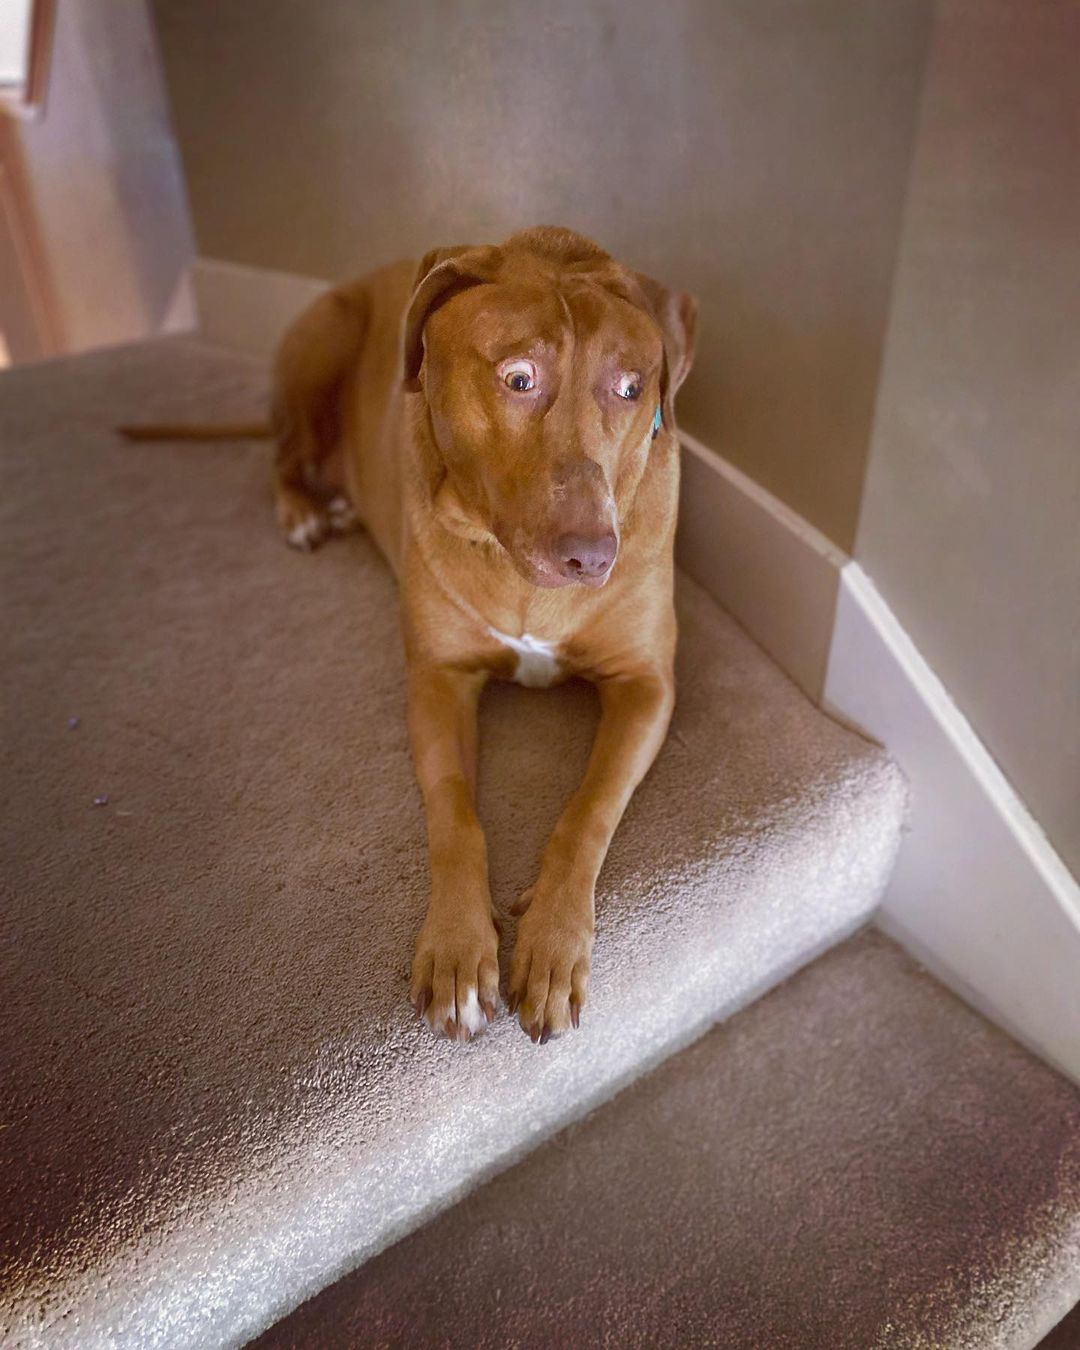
point(547, 370)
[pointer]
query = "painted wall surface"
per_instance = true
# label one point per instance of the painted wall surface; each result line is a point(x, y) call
point(971, 522)
point(105, 175)
point(754, 151)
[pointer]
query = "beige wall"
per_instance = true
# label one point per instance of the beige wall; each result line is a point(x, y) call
point(108, 194)
point(971, 520)
point(754, 151)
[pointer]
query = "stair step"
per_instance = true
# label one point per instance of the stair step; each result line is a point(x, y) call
point(856, 1161)
point(216, 1099)
point(1066, 1335)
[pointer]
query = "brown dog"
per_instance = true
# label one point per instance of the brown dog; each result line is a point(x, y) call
point(501, 421)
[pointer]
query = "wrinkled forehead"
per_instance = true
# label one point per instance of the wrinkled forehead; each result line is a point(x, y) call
point(507, 318)
point(608, 325)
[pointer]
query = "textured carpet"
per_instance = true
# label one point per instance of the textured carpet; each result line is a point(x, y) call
point(215, 1098)
point(857, 1162)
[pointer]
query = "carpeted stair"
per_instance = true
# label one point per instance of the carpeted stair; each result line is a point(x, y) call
point(857, 1162)
point(215, 1098)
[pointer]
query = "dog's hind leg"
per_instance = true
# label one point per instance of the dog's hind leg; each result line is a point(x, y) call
point(311, 377)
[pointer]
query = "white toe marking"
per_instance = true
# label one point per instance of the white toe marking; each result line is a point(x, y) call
point(342, 515)
point(306, 533)
point(538, 661)
point(471, 1015)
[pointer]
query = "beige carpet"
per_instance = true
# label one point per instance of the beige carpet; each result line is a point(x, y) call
point(857, 1162)
point(215, 1098)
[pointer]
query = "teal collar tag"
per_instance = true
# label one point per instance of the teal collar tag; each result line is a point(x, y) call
point(657, 422)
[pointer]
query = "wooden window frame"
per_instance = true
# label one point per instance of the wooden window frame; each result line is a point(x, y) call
point(29, 103)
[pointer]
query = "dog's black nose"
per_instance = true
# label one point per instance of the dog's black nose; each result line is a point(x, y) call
point(586, 557)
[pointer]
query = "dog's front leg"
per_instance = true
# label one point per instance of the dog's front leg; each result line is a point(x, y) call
point(455, 974)
point(553, 951)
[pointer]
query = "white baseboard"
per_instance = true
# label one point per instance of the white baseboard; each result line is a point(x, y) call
point(771, 569)
point(181, 313)
point(979, 896)
point(248, 308)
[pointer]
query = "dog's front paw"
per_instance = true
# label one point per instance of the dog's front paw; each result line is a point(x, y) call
point(549, 975)
point(455, 974)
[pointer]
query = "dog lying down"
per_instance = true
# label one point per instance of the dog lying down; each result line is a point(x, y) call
point(500, 419)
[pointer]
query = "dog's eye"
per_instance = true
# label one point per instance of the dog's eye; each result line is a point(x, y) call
point(520, 376)
point(629, 387)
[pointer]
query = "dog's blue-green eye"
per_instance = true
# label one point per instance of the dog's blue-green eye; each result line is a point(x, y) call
point(520, 376)
point(629, 387)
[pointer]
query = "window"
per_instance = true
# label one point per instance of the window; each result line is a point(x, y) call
point(25, 39)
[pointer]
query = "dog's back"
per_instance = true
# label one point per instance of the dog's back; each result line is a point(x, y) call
point(336, 410)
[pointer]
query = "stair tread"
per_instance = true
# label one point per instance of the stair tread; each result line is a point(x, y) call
point(856, 1161)
point(217, 1100)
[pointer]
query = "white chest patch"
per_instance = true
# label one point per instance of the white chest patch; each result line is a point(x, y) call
point(538, 662)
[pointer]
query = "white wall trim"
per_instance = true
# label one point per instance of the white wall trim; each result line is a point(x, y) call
point(248, 308)
point(774, 571)
point(958, 729)
point(978, 895)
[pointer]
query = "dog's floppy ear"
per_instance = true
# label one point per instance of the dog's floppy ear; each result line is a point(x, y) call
point(675, 313)
point(442, 273)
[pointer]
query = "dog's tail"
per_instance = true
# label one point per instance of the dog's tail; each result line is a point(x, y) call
point(197, 431)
